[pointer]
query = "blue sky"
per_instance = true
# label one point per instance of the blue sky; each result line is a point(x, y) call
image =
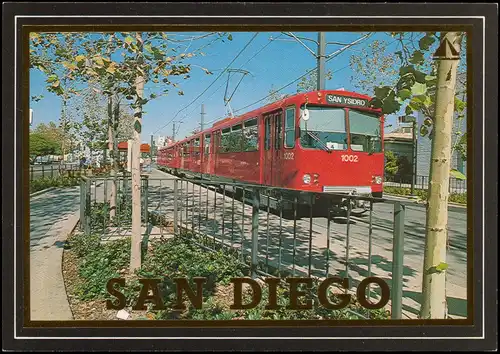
point(275, 66)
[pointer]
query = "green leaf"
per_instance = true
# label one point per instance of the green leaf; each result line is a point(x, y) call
point(129, 40)
point(441, 267)
point(430, 78)
point(424, 130)
point(406, 69)
point(99, 61)
point(459, 105)
point(424, 100)
point(404, 94)
point(425, 42)
point(408, 110)
point(148, 48)
point(79, 58)
point(52, 78)
point(382, 92)
point(417, 58)
point(457, 174)
point(419, 77)
point(137, 126)
point(428, 121)
point(419, 89)
point(230, 37)
point(111, 69)
point(376, 103)
point(390, 105)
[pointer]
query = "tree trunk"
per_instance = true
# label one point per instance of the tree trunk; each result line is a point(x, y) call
point(135, 257)
point(63, 128)
point(434, 273)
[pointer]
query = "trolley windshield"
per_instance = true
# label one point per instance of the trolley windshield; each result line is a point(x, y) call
point(325, 129)
point(364, 129)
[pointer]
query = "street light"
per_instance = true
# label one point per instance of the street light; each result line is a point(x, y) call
point(413, 121)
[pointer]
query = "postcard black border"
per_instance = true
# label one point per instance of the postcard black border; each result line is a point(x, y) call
point(249, 9)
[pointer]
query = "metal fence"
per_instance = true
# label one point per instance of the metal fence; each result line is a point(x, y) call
point(422, 183)
point(312, 243)
point(53, 171)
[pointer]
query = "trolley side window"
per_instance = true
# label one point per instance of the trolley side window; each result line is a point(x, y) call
point(196, 148)
point(267, 133)
point(225, 140)
point(290, 128)
point(207, 144)
point(277, 131)
point(236, 138)
point(251, 135)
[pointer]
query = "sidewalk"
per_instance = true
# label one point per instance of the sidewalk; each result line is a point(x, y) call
point(53, 215)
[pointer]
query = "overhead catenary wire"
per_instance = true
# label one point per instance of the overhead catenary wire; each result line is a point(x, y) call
point(213, 82)
point(333, 55)
point(241, 67)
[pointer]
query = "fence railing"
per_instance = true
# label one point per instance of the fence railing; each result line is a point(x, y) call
point(312, 242)
point(57, 170)
point(422, 183)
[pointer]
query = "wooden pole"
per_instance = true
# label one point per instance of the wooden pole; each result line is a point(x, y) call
point(434, 272)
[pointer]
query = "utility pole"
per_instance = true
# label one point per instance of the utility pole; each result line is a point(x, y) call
point(151, 147)
point(202, 116)
point(321, 61)
point(173, 132)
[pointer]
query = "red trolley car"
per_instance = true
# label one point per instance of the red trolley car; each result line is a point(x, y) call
point(329, 142)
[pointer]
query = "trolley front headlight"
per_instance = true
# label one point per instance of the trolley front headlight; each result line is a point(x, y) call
point(306, 178)
point(377, 179)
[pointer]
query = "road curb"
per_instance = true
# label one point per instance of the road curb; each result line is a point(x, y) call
point(42, 191)
point(72, 224)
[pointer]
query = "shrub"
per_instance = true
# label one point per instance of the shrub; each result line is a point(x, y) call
point(47, 182)
point(460, 198)
point(99, 263)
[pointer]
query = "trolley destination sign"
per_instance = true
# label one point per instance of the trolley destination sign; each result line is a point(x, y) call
point(348, 101)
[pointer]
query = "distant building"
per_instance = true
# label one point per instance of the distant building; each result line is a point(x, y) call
point(424, 143)
point(399, 141)
point(160, 141)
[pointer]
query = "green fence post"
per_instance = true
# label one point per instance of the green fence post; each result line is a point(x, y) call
point(397, 261)
point(176, 193)
point(145, 198)
point(255, 231)
point(82, 204)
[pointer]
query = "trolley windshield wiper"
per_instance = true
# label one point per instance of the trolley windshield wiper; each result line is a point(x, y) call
point(321, 143)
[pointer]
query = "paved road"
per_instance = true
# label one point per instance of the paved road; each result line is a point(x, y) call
point(227, 221)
